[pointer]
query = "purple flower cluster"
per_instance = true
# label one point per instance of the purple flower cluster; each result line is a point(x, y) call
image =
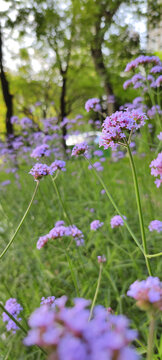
point(156, 69)
point(158, 81)
point(97, 165)
point(26, 122)
point(14, 309)
point(50, 301)
point(136, 80)
point(155, 225)
point(142, 60)
point(57, 165)
point(80, 149)
point(39, 170)
point(40, 151)
point(156, 169)
point(117, 221)
point(160, 136)
point(148, 293)
point(101, 259)
point(117, 155)
point(116, 126)
point(68, 335)
point(98, 153)
point(96, 224)
point(93, 104)
point(111, 99)
point(59, 231)
point(127, 83)
point(5, 183)
point(154, 109)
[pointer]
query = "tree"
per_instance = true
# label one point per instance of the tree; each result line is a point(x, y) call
point(7, 96)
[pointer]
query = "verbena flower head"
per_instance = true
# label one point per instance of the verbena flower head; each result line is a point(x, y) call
point(14, 309)
point(101, 259)
point(111, 99)
point(97, 165)
point(14, 119)
point(80, 149)
point(93, 104)
point(103, 191)
point(39, 170)
point(26, 122)
point(155, 225)
point(117, 126)
point(5, 183)
point(57, 165)
point(148, 293)
point(98, 153)
point(59, 223)
point(42, 241)
point(158, 81)
point(59, 231)
point(66, 333)
point(117, 221)
point(156, 69)
point(136, 78)
point(96, 224)
point(40, 151)
point(142, 60)
point(50, 301)
point(127, 83)
point(150, 78)
point(160, 136)
point(154, 109)
point(77, 235)
point(156, 169)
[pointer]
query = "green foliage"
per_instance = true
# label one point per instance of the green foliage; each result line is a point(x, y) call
point(28, 274)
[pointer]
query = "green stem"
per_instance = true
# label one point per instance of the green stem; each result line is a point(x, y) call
point(153, 255)
point(96, 292)
point(61, 202)
point(21, 222)
point(116, 207)
point(18, 324)
point(138, 200)
point(150, 345)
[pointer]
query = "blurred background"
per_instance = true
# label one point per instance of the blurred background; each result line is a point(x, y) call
point(55, 54)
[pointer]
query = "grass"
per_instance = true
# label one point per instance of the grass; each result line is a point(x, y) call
point(28, 274)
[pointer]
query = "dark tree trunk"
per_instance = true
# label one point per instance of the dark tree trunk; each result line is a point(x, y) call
point(101, 70)
point(63, 108)
point(96, 46)
point(8, 98)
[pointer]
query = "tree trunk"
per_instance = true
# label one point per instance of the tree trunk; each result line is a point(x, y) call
point(63, 108)
point(8, 98)
point(96, 50)
point(101, 70)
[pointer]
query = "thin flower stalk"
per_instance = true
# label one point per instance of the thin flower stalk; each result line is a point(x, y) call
point(140, 214)
point(21, 222)
point(60, 200)
point(153, 255)
point(96, 292)
point(116, 207)
point(150, 345)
